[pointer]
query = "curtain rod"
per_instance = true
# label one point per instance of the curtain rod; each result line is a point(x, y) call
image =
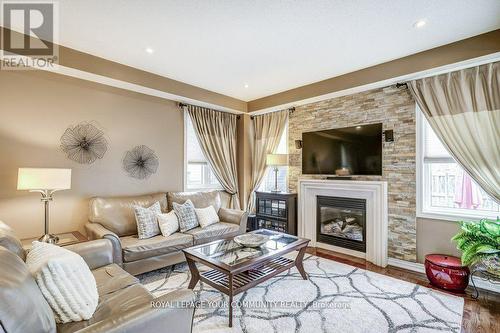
point(183, 105)
point(290, 110)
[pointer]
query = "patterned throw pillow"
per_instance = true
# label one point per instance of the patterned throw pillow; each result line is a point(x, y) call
point(206, 216)
point(168, 223)
point(186, 215)
point(147, 222)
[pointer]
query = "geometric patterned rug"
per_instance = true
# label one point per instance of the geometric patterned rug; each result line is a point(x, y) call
point(336, 298)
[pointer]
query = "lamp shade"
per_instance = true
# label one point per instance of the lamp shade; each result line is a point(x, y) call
point(277, 159)
point(43, 179)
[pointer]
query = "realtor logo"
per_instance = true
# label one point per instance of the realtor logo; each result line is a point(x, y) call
point(29, 35)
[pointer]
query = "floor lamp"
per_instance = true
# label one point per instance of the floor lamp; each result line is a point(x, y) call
point(44, 181)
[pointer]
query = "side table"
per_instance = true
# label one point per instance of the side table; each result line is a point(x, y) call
point(66, 238)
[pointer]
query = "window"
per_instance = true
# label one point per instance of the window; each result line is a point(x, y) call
point(199, 175)
point(268, 182)
point(445, 190)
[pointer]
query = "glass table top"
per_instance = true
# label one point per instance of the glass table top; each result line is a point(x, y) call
point(232, 253)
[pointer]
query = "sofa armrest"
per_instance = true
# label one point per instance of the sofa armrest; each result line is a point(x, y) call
point(97, 231)
point(172, 312)
point(96, 253)
point(234, 216)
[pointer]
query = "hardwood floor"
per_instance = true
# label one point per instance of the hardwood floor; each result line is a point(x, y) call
point(481, 315)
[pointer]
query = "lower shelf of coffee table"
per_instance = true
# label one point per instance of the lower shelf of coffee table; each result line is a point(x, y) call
point(247, 279)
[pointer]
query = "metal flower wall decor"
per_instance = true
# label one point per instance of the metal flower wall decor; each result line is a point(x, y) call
point(84, 143)
point(140, 162)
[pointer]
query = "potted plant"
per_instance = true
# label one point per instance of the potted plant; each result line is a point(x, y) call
point(480, 244)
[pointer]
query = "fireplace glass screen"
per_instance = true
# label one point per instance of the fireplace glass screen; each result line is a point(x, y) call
point(341, 222)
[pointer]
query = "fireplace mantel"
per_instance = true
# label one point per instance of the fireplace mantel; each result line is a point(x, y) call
point(375, 194)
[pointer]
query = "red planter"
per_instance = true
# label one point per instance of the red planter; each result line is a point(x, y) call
point(447, 272)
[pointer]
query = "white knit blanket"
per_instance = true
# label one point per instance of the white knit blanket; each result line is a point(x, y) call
point(65, 281)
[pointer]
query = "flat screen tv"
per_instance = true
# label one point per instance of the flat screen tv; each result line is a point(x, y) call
point(354, 150)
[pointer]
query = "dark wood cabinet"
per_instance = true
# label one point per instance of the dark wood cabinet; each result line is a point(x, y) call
point(276, 211)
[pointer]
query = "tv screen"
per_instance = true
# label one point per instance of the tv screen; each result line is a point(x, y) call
point(353, 150)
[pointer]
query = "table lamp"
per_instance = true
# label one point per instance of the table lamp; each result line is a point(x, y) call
point(45, 181)
point(276, 160)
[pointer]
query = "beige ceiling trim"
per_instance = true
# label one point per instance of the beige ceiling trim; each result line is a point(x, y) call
point(470, 48)
point(67, 71)
point(86, 63)
point(385, 83)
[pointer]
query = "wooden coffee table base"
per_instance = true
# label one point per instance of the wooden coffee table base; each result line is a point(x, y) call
point(233, 283)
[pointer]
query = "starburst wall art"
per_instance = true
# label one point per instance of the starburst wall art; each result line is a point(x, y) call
point(84, 143)
point(140, 162)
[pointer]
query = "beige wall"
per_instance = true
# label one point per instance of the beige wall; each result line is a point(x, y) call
point(35, 110)
point(434, 236)
point(245, 143)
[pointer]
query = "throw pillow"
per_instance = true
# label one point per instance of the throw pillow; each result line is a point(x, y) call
point(206, 216)
point(186, 215)
point(168, 223)
point(147, 222)
point(65, 281)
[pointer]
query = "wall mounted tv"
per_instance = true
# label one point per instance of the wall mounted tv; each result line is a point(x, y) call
point(353, 150)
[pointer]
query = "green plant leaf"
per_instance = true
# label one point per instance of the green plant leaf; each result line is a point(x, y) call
point(486, 248)
point(491, 228)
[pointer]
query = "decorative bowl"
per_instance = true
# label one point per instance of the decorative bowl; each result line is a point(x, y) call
point(251, 240)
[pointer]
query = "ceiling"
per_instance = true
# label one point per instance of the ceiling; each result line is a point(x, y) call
point(271, 46)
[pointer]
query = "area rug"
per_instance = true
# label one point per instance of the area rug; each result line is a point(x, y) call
point(335, 298)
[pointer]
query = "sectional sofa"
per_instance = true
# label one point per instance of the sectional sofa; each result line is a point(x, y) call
point(113, 218)
point(124, 306)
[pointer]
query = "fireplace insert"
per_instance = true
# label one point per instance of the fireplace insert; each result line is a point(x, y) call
point(341, 222)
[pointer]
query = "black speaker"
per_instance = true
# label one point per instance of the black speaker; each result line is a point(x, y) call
point(389, 136)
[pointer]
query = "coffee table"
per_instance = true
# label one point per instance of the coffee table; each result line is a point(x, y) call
point(235, 268)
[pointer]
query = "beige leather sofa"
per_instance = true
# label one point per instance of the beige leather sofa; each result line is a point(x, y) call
point(113, 218)
point(125, 306)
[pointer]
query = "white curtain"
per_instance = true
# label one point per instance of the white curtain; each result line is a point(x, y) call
point(268, 129)
point(463, 108)
point(216, 133)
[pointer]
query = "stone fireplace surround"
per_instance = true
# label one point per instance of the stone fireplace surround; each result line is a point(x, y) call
point(375, 194)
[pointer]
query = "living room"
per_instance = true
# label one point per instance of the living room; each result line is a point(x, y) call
point(230, 166)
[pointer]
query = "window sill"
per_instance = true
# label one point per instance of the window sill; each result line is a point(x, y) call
point(454, 217)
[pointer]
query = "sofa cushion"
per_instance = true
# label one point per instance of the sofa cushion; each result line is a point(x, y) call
point(214, 232)
point(199, 199)
point(117, 213)
point(24, 309)
point(136, 249)
point(65, 281)
point(115, 304)
point(147, 222)
point(168, 223)
point(9, 241)
point(112, 278)
point(186, 215)
point(206, 216)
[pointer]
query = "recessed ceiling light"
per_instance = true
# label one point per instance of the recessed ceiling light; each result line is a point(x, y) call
point(358, 127)
point(149, 50)
point(246, 85)
point(420, 24)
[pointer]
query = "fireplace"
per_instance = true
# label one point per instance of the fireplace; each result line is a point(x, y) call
point(341, 222)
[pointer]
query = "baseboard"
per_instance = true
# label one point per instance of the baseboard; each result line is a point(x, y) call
point(419, 268)
point(411, 266)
